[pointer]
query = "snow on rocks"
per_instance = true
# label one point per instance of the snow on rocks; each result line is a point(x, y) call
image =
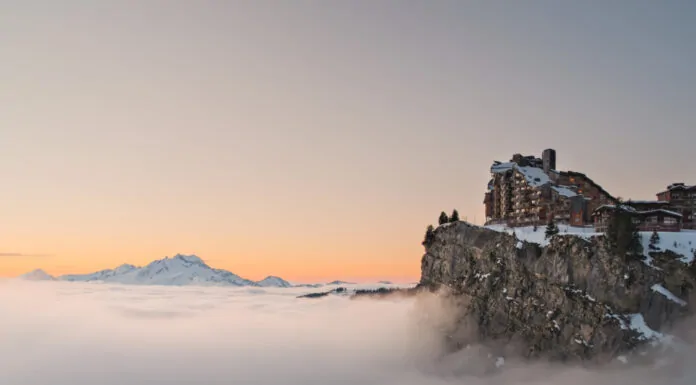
point(662, 290)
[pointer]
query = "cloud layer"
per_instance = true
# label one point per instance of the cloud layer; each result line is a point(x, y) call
point(68, 333)
point(22, 255)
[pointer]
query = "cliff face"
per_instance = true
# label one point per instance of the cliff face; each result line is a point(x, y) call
point(570, 300)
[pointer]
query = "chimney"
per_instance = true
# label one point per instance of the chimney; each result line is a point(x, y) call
point(549, 160)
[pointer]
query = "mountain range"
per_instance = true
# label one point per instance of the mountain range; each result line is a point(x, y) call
point(175, 271)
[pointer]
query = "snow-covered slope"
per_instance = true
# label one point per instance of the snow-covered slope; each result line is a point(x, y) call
point(529, 234)
point(37, 275)
point(178, 270)
point(272, 281)
point(682, 243)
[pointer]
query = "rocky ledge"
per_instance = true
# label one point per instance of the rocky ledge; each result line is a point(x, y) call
point(572, 300)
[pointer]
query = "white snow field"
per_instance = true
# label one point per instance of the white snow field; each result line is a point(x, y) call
point(74, 333)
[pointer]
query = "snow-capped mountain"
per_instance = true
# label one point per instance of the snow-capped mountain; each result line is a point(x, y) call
point(178, 270)
point(37, 275)
point(273, 281)
point(103, 275)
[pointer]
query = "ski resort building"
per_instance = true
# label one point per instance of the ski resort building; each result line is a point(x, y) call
point(656, 219)
point(681, 198)
point(530, 191)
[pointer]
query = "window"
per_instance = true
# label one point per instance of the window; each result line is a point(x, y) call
point(651, 219)
point(670, 221)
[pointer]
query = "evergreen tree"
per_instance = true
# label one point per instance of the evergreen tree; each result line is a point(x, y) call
point(622, 233)
point(551, 229)
point(654, 240)
point(443, 218)
point(455, 216)
point(429, 235)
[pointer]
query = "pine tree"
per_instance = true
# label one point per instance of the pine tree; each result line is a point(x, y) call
point(455, 216)
point(654, 240)
point(443, 218)
point(551, 229)
point(429, 235)
point(622, 234)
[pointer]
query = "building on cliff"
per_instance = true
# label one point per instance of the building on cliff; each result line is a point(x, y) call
point(530, 191)
point(681, 198)
point(646, 219)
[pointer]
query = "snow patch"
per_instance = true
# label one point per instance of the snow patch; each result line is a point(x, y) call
point(527, 233)
point(637, 323)
point(682, 243)
point(662, 290)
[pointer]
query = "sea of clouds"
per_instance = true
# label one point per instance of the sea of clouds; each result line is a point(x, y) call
point(61, 333)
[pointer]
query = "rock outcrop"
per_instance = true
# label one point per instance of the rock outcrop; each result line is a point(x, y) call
point(573, 300)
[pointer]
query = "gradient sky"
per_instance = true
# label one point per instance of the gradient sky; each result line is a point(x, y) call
point(316, 140)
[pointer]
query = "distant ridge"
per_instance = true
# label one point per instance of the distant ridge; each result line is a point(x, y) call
point(179, 270)
point(273, 281)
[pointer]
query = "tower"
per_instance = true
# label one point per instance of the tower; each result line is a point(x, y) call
point(549, 159)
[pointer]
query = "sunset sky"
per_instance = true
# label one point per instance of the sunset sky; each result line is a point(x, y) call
point(316, 140)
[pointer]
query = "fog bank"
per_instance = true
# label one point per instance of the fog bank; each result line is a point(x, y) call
point(58, 333)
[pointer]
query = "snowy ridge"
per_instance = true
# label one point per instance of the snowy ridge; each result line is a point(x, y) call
point(178, 270)
point(37, 275)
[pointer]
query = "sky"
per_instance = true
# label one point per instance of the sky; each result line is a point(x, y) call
point(317, 140)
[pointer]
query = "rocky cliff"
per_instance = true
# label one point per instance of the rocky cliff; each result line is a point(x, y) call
point(570, 300)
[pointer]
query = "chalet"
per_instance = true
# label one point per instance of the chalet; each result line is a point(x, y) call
point(656, 219)
point(681, 198)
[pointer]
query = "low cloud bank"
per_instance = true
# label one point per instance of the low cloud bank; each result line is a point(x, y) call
point(56, 333)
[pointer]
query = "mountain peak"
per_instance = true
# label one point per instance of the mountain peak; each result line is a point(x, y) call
point(37, 275)
point(273, 281)
point(189, 258)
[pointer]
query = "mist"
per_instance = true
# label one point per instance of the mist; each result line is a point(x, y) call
point(58, 333)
